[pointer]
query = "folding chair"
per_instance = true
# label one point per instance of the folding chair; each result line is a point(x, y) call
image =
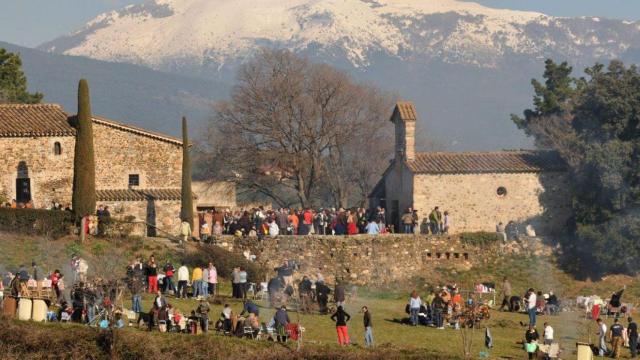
point(247, 331)
point(251, 289)
point(263, 293)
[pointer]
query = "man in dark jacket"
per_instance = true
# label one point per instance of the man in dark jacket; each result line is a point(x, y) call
point(281, 319)
point(368, 332)
point(304, 289)
point(632, 331)
point(322, 295)
point(286, 273)
point(274, 288)
point(203, 314)
point(438, 305)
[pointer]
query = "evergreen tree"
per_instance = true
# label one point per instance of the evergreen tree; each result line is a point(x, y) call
point(186, 208)
point(600, 140)
point(13, 82)
point(84, 169)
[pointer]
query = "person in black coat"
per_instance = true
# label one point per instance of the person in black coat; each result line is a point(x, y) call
point(341, 317)
point(322, 295)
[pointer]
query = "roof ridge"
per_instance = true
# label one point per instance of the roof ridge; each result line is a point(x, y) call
point(32, 105)
point(135, 129)
point(506, 152)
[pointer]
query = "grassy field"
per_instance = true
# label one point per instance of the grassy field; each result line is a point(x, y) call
point(570, 327)
point(393, 340)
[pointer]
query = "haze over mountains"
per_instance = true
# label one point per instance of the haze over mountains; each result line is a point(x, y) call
point(467, 67)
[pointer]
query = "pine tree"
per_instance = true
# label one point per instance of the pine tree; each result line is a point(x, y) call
point(186, 209)
point(84, 169)
point(13, 82)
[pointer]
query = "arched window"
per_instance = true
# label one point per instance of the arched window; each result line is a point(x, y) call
point(57, 148)
point(23, 170)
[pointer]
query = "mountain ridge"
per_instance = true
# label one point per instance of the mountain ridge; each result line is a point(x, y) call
point(466, 66)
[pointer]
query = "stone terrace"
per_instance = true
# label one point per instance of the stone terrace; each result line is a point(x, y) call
point(360, 259)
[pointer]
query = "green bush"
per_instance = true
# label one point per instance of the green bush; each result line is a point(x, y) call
point(224, 262)
point(50, 223)
point(480, 238)
point(116, 228)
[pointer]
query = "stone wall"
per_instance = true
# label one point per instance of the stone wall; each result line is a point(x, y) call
point(399, 192)
point(360, 259)
point(164, 214)
point(120, 153)
point(51, 175)
point(473, 202)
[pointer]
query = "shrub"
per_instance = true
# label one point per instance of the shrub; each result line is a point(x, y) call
point(117, 228)
point(73, 248)
point(224, 262)
point(50, 223)
point(480, 238)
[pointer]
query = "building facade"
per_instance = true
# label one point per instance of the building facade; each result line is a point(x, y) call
point(138, 172)
point(478, 189)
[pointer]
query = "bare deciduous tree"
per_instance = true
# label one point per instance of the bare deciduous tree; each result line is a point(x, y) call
point(293, 127)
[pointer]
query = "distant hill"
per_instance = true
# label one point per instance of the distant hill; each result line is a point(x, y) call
point(466, 66)
point(131, 94)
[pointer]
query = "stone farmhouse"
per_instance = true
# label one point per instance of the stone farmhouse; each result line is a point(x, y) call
point(138, 172)
point(478, 189)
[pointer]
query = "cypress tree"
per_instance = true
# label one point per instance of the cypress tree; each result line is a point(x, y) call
point(84, 169)
point(186, 209)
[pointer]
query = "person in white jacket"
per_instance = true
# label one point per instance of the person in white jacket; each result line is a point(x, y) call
point(274, 230)
point(83, 267)
point(183, 281)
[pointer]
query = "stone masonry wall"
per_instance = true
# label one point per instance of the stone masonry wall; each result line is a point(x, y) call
point(51, 175)
point(121, 153)
point(166, 215)
point(474, 204)
point(360, 259)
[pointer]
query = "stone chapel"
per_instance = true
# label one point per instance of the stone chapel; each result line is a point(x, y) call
point(478, 189)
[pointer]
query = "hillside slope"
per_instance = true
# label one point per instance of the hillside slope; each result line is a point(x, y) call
point(128, 93)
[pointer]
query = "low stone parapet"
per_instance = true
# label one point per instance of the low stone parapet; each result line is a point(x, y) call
point(359, 259)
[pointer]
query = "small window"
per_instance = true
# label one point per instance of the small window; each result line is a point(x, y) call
point(134, 180)
point(502, 191)
point(57, 148)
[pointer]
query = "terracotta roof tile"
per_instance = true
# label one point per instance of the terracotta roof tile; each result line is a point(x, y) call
point(138, 194)
point(486, 162)
point(21, 120)
point(406, 110)
point(28, 120)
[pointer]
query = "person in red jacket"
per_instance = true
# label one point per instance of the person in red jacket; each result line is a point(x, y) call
point(55, 277)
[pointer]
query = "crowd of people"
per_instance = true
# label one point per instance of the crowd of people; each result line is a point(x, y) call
point(90, 300)
point(259, 222)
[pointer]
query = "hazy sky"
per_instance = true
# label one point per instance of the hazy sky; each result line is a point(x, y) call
point(31, 22)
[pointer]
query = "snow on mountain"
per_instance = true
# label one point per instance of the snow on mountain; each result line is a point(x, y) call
point(466, 66)
point(171, 33)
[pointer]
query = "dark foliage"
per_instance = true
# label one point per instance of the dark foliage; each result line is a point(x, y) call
point(186, 204)
point(224, 261)
point(480, 238)
point(13, 82)
point(49, 223)
point(84, 168)
point(594, 124)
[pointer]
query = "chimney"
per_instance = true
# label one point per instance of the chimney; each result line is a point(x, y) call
point(404, 118)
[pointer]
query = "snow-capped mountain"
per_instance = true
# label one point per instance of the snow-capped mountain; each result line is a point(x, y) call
point(465, 65)
point(175, 33)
